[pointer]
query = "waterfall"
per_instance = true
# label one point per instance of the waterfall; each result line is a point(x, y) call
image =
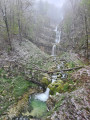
point(55, 29)
point(44, 96)
point(57, 41)
point(59, 37)
point(54, 77)
point(54, 50)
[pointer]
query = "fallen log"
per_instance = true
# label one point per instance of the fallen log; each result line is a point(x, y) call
point(38, 83)
point(76, 68)
point(37, 69)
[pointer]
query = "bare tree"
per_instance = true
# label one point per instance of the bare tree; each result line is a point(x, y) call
point(86, 33)
point(3, 9)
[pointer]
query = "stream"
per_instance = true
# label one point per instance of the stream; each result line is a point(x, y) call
point(44, 96)
point(41, 98)
point(57, 41)
point(38, 101)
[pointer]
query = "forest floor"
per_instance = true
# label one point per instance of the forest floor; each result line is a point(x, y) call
point(73, 105)
point(13, 81)
point(67, 105)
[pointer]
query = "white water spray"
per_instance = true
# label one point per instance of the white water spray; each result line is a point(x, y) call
point(57, 41)
point(44, 96)
point(54, 50)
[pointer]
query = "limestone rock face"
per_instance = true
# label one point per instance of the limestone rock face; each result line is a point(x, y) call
point(45, 39)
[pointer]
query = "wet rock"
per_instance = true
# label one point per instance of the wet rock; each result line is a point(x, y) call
point(59, 75)
point(46, 81)
point(57, 86)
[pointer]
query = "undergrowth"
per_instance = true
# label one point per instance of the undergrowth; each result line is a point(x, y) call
point(11, 88)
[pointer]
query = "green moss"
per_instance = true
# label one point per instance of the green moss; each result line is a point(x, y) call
point(5, 106)
point(39, 108)
point(2, 72)
point(71, 64)
point(60, 86)
point(45, 81)
point(11, 89)
point(15, 29)
point(66, 87)
point(57, 86)
point(58, 104)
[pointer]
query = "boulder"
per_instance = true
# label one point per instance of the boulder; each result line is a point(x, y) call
point(55, 87)
point(46, 80)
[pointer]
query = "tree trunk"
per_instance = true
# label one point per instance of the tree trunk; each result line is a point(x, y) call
point(19, 21)
point(86, 36)
point(7, 27)
point(20, 35)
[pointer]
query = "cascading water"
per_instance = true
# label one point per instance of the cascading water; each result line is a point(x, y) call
point(38, 107)
point(54, 50)
point(57, 41)
point(43, 96)
point(54, 77)
point(37, 102)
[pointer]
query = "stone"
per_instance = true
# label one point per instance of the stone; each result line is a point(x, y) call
point(46, 81)
point(55, 87)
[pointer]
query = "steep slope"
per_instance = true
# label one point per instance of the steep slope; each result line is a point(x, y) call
point(27, 50)
point(21, 53)
point(45, 38)
point(72, 105)
point(13, 81)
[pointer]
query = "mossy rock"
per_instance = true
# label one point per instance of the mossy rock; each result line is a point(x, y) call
point(46, 81)
point(57, 86)
point(60, 87)
point(59, 75)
